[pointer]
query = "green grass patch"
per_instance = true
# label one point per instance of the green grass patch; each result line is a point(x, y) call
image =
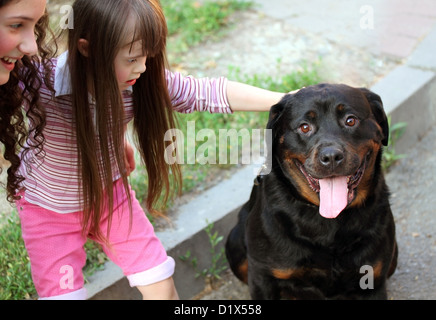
point(15, 277)
point(191, 22)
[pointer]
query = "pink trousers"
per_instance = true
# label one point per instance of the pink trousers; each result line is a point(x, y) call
point(55, 243)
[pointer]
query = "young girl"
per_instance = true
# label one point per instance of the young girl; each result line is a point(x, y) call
point(23, 28)
point(114, 71)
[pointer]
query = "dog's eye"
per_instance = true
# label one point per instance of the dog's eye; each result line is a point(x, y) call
point(351, 121)
point(305, 128)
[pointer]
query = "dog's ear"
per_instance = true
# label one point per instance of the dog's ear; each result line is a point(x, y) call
point(276, 111)
point(379, 113)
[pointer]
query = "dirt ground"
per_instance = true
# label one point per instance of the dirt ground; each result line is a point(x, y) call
point(259, 44)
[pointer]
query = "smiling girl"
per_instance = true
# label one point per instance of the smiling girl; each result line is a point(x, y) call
point(17, 33)
point(23, 28)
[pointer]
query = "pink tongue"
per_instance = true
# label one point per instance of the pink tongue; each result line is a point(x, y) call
point(333, 196)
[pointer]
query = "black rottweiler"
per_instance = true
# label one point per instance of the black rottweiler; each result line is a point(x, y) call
point(319, 225)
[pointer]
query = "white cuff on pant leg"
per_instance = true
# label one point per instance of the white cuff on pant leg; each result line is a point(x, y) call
point(80, 294)
point(153, 275)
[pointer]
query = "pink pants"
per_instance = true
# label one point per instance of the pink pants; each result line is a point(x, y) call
point(54, 243)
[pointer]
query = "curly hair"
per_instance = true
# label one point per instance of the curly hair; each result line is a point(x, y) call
point(22, 89)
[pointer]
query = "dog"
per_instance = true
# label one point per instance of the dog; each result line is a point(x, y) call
point(319, 224)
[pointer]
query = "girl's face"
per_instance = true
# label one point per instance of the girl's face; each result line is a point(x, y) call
point(130, 63)
point(17, 33)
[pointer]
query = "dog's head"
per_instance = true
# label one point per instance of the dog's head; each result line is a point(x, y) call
point(327, 140)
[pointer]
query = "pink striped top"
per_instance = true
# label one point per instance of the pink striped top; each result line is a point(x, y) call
point(53, 181)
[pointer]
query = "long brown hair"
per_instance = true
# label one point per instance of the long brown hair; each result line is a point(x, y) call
point(23, 89)
point(103, 25)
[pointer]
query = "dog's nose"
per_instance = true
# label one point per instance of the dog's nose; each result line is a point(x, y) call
point(331, 157)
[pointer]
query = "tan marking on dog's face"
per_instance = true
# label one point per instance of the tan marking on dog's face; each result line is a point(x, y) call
point(377, 269)
point(364, 186)
point(243, 271)
point(289, 273)
point(300, 180)
point(283, 274)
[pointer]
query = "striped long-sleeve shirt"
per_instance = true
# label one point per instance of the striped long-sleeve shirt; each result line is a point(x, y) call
point(53, 180)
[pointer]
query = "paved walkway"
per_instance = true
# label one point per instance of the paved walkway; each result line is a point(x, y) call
point(385, 27)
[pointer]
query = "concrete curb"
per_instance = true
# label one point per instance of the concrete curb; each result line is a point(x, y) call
point(408, 93)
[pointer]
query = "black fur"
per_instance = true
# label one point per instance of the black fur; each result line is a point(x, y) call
point(291, 251)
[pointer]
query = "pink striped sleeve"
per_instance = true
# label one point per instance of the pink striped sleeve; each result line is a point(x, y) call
point(189, 94)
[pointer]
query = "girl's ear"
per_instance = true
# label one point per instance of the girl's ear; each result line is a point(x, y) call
point(83, 46)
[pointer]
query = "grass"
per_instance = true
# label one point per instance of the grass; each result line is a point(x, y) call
point(218, 261)
point(396, 131)
point(15, 278)
point(191, 22)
